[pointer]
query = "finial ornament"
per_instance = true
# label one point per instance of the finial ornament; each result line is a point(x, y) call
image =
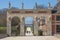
point(22, 5)
point(49, 5)
point(35, 4)
point(9, 4)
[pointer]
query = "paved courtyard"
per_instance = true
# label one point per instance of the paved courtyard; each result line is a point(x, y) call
point(32, 38)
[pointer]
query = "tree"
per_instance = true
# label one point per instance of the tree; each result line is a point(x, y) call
point(41, 7)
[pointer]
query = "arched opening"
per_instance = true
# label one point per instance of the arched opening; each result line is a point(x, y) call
point(15, 26)
point(41, 23)
point(29, 26)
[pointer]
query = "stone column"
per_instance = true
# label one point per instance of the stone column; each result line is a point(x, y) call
point(9, 26)
point(49, 26)
point(22, 27)
point(35, 27)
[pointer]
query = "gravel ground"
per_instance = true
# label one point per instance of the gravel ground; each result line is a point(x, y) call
point(32, 38)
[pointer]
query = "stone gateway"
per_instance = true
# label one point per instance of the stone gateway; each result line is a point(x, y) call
point(46, 20)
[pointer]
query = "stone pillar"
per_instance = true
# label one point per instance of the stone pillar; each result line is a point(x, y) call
point(35, 27)
point(22, 27)
point(9, 26)
point(49, 26)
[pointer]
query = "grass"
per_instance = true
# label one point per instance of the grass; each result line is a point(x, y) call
point(2, 30)
point(15, 31)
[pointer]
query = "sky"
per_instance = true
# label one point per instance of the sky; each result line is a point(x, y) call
point(28, 4)
point(28, 20)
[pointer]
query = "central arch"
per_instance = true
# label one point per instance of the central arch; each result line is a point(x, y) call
point(29, 26)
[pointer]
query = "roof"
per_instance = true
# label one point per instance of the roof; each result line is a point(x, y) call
point(57, 6)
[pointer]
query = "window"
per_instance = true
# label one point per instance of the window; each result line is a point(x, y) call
point(57, 18)
point(58, 28)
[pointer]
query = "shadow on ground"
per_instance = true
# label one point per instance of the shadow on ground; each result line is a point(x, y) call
point(3, 36)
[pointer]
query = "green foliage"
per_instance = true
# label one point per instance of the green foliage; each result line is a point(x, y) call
point(40, 33)
point(15, 21)
point(2, 30)
point(2, 26)
point(32, 28)
point(15, 31)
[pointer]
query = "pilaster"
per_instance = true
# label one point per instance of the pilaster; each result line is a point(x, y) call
point(22, 31)
point(9, 26)
point(35, 27)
